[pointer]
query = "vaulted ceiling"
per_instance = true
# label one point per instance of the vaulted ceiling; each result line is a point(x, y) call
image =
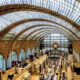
point(33, 19)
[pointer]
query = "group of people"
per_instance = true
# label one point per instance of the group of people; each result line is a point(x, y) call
point(49, 73)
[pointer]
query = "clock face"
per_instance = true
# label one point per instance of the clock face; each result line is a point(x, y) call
point(55, 45)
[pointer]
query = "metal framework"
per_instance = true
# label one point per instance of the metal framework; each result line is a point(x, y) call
point(21, 16)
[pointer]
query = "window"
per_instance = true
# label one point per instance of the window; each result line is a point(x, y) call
point(28, 53)
point(62, 41)
point(2, 63)
point(22, 55)
point(12, 57)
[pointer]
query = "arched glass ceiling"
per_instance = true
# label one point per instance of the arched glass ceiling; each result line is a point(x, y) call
point(68, 8)
point(64, 33)
point(39, 33)
point(51, 31)
point(36, 33)
point(19, 28)
point(7, 19)
point(43, 35)
point(36, 36)
point(31, 30)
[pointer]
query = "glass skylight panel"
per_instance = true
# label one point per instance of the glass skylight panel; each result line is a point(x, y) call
point(79, 22)
point(46, 32)
point(19, 1)
point(61, 10)
point(36, 28)
point(45, 3)
point(75, 18)
point(31, 30)
point(8, 1)
point(2, 2)
point(41, 34)
point(62, 6)
point(24, 26)
point(19, 28)
point(76, 9)
point(78, 5)
point(74, 14)
point(16, 16)
point(3, 23)
point(21, 37)
point(35, 33)
point(55, 8)
point(49, 5)
point(9, 34)
point(65, 33)
point(68, 4)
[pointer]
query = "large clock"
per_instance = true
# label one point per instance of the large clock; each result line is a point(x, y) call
point(55, 45)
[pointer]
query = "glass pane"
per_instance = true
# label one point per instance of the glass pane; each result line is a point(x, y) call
point(33, 51)
point(64, 7)
point(28, 53)
point(8, 19)
point(63, 42)
point(2, 63)
point(12, 57)
point(22, 55)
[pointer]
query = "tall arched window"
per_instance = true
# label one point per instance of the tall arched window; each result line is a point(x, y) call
point(12, 57)
point(22, 55)
point(28, 53)
point(38, 49)
point(2, 63)
point(33, 51)
point(62, 41)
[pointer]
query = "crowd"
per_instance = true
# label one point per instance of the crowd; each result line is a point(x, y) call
point(49, 73)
